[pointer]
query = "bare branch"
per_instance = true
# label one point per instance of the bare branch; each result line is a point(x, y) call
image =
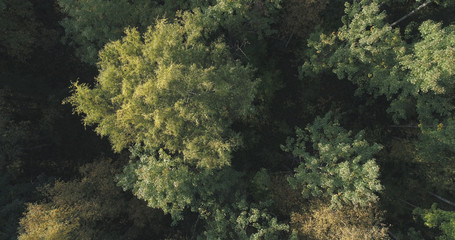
point(392, 235)
point(411, 13)
point(404, 126)
point(287, 43)
point(443, 199)
point(410, 204)
point(238, 48)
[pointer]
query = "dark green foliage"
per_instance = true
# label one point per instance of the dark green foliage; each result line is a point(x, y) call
point(435, 149)
point(24, 30)
point(89, 25)
point(203, 93)
point(91, 207)
point(12, 204)
point(19, 28)
point(217, 196)
point(172, 185)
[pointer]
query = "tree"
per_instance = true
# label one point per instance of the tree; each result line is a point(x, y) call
point(364, 50)
point(372, 54)
point(24, 30)
point(429, 69)
point(89, 25)
point(218, 196)
point(334, 163)
point(172, 98)
point(411, 67)
point(170, 184)
point(19, 28)
point(444, 220)
point(244, 220)
point(172, 90)
point(91, 207)
point(317, 220)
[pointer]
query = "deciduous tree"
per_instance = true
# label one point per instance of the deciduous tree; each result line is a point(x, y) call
point(335, 164)
point(174, 89)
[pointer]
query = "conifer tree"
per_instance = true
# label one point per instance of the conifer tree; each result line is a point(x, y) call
point(335, 164)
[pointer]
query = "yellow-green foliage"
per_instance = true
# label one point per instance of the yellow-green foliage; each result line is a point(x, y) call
point(444, 220)
point(172, 90)
point(92, 207)
point(44, 222)
point(320, 221)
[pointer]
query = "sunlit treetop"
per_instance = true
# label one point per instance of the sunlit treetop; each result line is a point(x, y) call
point(171, 89)
point(364, 50)
point(373, 54)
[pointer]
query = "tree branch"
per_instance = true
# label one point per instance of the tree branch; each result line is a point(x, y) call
point(287, 43)
point(443, 199)
point(404, 126)
point(392, 235)
point(411, 13)
point(238, 48)
point(410, 204)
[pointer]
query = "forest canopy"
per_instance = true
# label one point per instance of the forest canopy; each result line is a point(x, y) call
point(227, 119)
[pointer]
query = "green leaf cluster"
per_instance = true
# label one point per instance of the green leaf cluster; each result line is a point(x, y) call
point(167, 183)
point(217, 195)
point(202, 94)
point(244, 221)
point(19, 28)
point(334, 163)
point(364, 50)
point(435, 217)
point(172, 90)
point(89, 25)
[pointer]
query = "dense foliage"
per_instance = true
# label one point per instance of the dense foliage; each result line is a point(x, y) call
point(227, 119)
point(172, 91)
point(343, 168)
